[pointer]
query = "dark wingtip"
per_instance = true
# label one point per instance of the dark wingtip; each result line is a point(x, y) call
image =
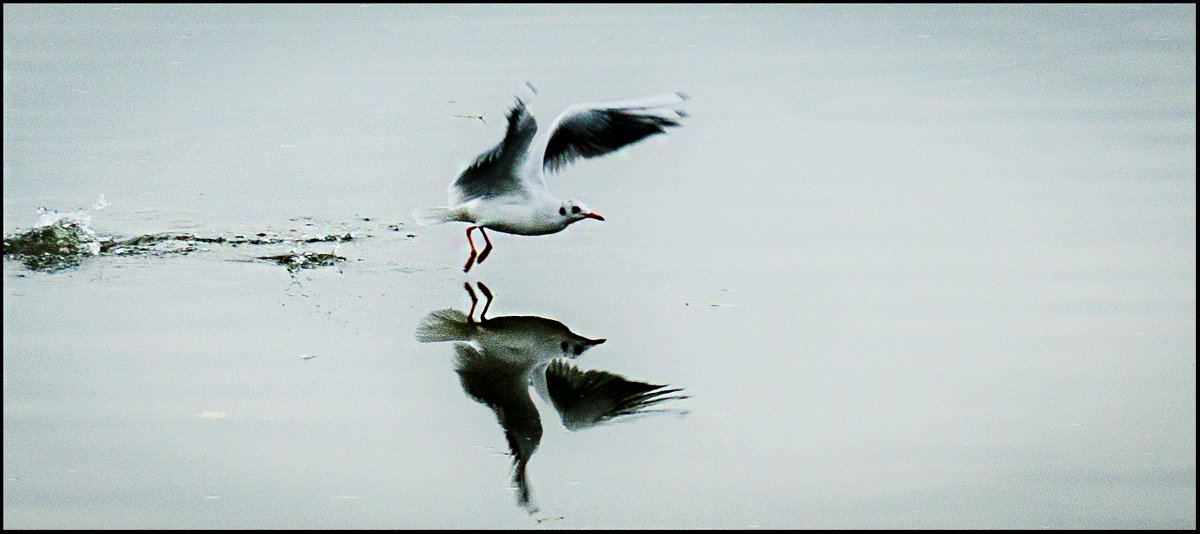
point(521, 98)
point(683, 95)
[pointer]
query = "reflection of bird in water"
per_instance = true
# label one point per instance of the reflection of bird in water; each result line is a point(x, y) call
point(499, 358)
point(504, 189)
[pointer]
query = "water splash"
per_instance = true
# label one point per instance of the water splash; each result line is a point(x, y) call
point(58, 241)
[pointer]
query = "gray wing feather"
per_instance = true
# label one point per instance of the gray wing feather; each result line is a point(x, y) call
point(589, 132)
point(495, 172)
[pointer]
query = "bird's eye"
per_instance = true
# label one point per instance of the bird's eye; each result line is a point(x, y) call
point(578, 350)
point(574, 209)
point(564, 346)
point(562, 211)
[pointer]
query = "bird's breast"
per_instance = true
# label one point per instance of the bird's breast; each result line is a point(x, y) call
point(520, 219)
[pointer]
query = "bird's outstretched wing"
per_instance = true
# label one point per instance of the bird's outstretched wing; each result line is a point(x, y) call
point(588, 398)
point(591, 130)
point(496, 172)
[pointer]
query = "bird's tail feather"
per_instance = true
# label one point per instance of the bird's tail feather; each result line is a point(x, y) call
point(430, 216)
point(444, 325)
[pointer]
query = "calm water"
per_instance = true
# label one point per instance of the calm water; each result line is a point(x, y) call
point(915, 267)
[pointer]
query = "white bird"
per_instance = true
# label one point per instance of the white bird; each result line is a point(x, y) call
point(505, 188)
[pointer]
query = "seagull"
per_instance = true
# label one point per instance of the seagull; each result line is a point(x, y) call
point(498, 359)
point(505, 188)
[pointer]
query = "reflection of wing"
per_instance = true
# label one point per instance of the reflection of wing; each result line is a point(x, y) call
point(504, 387)
point(587, 398)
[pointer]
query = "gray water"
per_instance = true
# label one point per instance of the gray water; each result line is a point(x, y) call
point(914, 266)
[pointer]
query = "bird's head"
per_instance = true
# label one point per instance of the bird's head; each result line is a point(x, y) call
point(574, 211)
point(576, 344)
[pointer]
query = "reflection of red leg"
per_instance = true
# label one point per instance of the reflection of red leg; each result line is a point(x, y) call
point(488, 295)
point(471, 259)
point(486, 248)
point(474, 301)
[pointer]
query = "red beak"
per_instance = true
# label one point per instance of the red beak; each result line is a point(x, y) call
point(593, 215)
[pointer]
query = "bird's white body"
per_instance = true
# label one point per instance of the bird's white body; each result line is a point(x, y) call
point(534, 214)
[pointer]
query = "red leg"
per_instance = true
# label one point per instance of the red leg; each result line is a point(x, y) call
point(471, 260)
point(486, 248)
